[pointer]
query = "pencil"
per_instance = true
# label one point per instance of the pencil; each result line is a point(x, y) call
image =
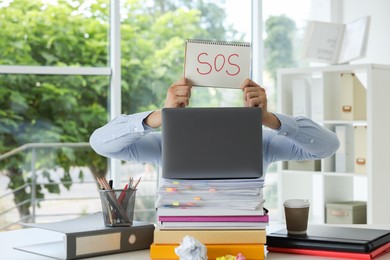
point(113, 201)
point(136, 184)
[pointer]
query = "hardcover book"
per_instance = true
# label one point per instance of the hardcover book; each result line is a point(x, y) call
point(329, 253)
point(212, 225)
point(239, 218)
point(323, 237)
point(211, 236)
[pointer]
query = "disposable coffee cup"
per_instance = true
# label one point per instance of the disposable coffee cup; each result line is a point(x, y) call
point(296, 213)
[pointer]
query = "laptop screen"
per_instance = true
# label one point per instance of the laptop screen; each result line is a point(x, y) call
point(212, 143)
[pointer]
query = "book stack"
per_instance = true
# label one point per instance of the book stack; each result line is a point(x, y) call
point(226, 215)
point(332, 241)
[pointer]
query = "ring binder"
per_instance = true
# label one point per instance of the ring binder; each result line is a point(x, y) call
point(360, 161)
point(87, 236)
point(347, 108)
point(231, 43)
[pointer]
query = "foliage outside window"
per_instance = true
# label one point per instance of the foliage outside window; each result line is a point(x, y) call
point(284, 26)
point(68, 108)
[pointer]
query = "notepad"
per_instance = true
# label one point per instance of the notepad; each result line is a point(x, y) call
point(221, 64)
point(336, 43)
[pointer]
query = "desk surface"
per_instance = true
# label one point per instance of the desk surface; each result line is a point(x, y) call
point(10, 239)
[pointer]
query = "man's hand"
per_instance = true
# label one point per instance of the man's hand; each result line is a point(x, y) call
point(178, 95)
point(255, 96)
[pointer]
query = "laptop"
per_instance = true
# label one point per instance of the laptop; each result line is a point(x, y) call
point(212, 143)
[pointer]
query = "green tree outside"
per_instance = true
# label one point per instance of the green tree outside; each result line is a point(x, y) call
point(278, 44)
point(36, 108)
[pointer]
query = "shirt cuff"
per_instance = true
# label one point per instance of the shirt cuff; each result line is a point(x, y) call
point(289, 125)
point(136, 124)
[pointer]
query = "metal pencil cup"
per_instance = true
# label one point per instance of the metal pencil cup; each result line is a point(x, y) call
point(118, 207)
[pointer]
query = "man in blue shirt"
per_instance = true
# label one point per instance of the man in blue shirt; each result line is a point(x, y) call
point(132, 137)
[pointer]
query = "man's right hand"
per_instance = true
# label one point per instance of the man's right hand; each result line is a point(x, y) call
point(179, 94)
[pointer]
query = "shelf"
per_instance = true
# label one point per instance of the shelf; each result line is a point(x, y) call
point(332, 174)
point(335, 68)
point(349, 100)
point(344, 122)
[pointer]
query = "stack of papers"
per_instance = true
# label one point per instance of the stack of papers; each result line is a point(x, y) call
point(227, 203)
point(226, 215)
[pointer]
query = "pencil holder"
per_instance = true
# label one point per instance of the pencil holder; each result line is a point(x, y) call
point(118, 207)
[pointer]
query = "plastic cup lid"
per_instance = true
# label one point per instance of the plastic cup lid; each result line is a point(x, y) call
point(296, 203)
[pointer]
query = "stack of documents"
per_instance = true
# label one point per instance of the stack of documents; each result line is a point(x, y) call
point(226, 215)
point(226, 203)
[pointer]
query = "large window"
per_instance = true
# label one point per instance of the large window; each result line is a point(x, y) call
point(284, 25)
point(153, 45)
point(55, 88)
point(56, 79)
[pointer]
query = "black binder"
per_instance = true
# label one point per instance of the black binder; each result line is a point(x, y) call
point(87, 236)
point(333, 238)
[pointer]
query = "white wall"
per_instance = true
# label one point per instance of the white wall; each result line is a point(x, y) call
point(326, 10)
point(378, 48)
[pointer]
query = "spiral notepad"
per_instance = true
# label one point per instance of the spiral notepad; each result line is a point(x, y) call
point(222, 64)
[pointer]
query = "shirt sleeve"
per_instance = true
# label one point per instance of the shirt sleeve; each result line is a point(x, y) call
point(127, 138)
point(298, 138)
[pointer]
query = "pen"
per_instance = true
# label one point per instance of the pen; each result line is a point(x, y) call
point(123, 194)
point(130, 182)
point(113, 202)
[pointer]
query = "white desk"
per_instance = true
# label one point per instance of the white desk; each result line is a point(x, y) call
point(29, 236)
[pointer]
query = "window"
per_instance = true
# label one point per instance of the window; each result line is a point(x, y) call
point(55, 80)
point(153, 44)
point(55, 70)
point(284, 26)
point(54, 33)
point(54, 91)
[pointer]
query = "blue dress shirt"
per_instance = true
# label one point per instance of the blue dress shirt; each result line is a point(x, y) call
point(299, 138)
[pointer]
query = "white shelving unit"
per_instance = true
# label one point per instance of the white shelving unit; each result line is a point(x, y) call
point(327, 185)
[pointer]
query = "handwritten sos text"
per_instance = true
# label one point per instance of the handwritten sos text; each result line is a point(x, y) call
point(220, 63)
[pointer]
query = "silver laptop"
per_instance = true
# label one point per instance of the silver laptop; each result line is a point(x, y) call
point(212, 143)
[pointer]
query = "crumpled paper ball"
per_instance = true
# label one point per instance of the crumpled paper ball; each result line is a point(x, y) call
point(191, 249)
